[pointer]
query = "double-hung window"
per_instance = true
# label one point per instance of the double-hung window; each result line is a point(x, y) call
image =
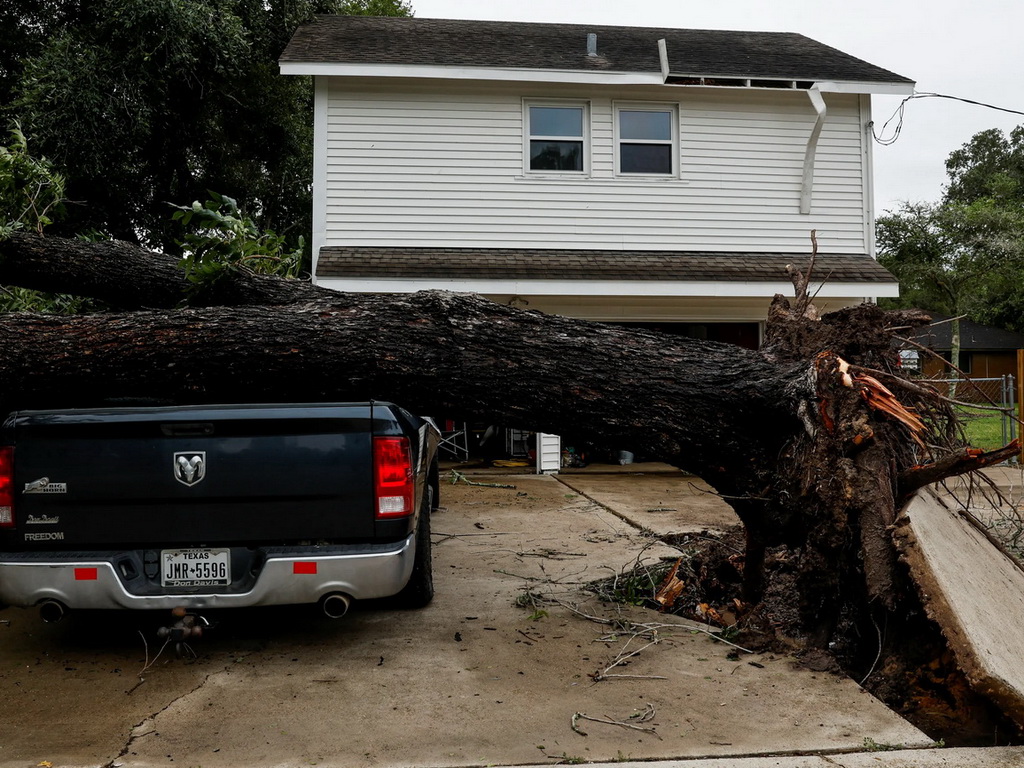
point(646, 140)
point(557, 137)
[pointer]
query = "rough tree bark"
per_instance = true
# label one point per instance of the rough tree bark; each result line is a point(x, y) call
point(801, 438)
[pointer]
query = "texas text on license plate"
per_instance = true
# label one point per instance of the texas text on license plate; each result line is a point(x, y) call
point(195, 567)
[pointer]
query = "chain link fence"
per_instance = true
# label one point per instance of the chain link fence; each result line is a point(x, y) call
point(988, 408)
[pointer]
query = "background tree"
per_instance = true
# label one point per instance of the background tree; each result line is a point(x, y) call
point(964, 254)
point(142, 104)
point(990, 165)
point(956, 259)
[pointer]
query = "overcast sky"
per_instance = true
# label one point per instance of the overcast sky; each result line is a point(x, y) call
point(967, 48)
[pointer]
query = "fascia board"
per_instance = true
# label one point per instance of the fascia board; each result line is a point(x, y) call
point(710, 288)
point(470, 73)
point(335, 69)
point(878, 89)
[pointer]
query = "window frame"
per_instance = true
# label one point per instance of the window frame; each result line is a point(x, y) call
point(529, 137)
point(672, 142)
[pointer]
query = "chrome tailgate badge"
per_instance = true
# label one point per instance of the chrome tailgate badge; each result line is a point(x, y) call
point(43, 485)
point(189, 467)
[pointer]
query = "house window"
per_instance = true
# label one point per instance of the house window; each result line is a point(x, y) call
point(557, 137)
point(646, 140)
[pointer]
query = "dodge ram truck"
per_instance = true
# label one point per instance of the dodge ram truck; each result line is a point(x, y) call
point(200, 507)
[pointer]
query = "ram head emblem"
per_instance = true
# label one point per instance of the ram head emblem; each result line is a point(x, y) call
point(189, 467)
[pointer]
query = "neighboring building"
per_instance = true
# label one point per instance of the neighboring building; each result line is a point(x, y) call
point(656, 176)
point(985, 353)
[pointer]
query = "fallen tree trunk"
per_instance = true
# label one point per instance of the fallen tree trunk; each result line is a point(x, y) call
point(811, 451)
point(126, 276)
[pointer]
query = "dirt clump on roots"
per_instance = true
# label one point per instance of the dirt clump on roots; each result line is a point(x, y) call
point(908, 666)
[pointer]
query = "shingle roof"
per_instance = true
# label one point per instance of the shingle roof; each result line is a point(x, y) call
point(973, 337)
point(519, 264)
point(521, 45)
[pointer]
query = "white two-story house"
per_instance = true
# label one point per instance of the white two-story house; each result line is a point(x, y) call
point(658, 177)
point(654, 176)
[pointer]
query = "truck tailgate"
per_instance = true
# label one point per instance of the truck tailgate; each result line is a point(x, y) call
point(194, 476)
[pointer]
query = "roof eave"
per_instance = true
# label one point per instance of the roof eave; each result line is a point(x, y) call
point(335, 69)
point(680, 288)
point(442, 72)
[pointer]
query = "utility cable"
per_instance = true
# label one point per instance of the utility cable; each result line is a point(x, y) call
point(898, 115)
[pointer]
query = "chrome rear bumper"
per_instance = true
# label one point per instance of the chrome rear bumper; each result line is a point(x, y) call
point(360, 576)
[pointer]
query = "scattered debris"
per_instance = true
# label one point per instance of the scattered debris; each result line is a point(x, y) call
point(623, 659)
point(671, 588)
point(633, 723)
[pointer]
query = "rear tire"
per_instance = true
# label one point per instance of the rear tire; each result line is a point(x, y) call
point(420, 590)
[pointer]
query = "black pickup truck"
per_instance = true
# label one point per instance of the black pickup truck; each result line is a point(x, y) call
point(200, 507)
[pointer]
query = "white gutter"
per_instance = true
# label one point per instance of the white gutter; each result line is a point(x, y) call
point(471, 73)
point(880, 89)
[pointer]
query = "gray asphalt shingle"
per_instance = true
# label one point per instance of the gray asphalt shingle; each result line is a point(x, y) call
point(538, 264)
point(448, 42)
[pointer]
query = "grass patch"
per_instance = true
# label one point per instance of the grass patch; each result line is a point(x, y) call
point(984, 429)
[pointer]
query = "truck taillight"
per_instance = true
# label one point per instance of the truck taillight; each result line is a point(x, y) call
point(393, 476)
point(6, 486)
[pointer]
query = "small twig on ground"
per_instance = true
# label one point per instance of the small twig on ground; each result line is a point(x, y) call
point(707, 492)
point(643, 717)
point(550, 554)
point(597, 677)
point(645, 627)
point(458, 476)
point(147, 664)
point(446, 536)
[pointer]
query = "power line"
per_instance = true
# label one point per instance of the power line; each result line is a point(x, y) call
point(899, 113)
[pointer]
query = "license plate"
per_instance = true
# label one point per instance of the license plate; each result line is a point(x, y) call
point(195, 567)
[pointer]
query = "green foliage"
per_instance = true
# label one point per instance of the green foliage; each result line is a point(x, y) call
point(31, 195)
point(965, 253)
point(31, 191)
point(221, 238)
point(141, 102)
point(375, 8)
point(25, 300)
point(990, 165)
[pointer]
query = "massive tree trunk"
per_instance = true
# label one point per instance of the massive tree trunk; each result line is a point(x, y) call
point(126, 276)
point(802, 438)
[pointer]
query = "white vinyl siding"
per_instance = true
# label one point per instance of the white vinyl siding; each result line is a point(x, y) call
point(443, 166)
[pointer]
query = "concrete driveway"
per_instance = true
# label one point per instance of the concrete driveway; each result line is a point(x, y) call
point(474, 679)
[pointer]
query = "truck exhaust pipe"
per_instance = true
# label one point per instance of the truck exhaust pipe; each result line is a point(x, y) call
point(51, 611)
point(335, 606)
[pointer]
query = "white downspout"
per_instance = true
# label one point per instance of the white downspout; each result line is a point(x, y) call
point(818, 102)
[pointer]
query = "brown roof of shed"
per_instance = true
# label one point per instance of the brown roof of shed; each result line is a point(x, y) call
point(525, 45)
point(540, 264)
